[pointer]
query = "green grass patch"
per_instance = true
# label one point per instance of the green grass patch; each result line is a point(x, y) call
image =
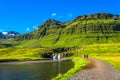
point(102, 49)
point(18, 54)
point(107, 52)
point(113, 60)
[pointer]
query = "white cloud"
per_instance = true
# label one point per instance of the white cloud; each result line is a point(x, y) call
point(35, 27)
point(28, 29)
point(70, 15)
point(53, 14)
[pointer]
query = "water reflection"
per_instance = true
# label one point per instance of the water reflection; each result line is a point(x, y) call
point(41, 71)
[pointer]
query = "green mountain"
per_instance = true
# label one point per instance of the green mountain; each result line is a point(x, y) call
point(84, 30)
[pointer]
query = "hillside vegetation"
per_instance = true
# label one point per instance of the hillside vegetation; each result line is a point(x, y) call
point(99, 28)
point(87, 29)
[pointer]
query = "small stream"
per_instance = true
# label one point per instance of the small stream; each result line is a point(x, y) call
point(38, 71)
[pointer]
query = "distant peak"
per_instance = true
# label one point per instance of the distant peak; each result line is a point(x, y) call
point(102, 13)
point(95, 16)
point(8, 34)
point(52, 20)
point(13, 32)
point(52, 23)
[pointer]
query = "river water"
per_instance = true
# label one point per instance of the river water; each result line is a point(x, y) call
point(38, 71)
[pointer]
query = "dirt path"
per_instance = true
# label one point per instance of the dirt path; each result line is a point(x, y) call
point(97, 70)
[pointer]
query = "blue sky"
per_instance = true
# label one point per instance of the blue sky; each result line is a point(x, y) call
point(25, 15)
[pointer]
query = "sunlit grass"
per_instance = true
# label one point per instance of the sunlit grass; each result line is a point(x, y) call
point(102, 49)
point(106, 52)
point(16, 54)
point(115, 60)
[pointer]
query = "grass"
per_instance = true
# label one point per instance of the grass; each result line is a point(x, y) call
point(112, 49)
point(79, 63)
point(113, 60)
point(107, 52)
point(17, 54)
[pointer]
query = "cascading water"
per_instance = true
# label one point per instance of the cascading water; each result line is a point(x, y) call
point(54, 56)
point(58, 56)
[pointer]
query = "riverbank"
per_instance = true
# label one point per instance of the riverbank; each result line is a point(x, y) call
point(79, 63)
point(17, 59)
point(34, 62)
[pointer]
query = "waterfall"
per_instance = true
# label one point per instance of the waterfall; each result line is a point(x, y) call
point(54, 56)
point(58, 56)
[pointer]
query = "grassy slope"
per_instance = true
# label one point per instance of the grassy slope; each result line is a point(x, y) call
point(107, 52)
point(77, 34)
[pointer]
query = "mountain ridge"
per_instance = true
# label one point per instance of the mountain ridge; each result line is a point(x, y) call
point(8, 34)
point(95, 28)
point(97, 16)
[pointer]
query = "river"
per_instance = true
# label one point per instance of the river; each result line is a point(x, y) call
point(34, 71)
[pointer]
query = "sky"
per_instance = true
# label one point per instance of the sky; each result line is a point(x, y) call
point(25, 16)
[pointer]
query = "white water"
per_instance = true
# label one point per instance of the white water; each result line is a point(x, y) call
point(56, 56)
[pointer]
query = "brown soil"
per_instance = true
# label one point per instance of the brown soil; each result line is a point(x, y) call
point(90, 65)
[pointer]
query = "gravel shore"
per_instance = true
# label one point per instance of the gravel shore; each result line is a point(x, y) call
point(97, 70)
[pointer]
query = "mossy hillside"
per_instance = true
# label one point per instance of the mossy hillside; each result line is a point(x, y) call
point(95, 29)
point(75, 35)
point(87, 29)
